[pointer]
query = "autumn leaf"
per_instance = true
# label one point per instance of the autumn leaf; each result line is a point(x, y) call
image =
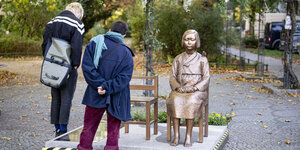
point(259, 113)
point(44, 119)
point(278, 102)
point(294, 103)
point(287, 141)
point(265, 126)
point(287, 120)
point(36, 134)
point(6, 138)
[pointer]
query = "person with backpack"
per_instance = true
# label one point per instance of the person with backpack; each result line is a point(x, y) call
point(67, 26)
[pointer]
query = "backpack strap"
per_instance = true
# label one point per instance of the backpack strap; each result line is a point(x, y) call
point(108, 52)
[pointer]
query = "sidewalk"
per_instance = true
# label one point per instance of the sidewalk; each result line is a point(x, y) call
point(275, 65)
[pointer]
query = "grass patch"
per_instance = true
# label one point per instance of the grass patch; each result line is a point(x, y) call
point(271, 53)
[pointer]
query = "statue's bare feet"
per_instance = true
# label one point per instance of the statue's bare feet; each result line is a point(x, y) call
point(175, 141)
point(188, 142)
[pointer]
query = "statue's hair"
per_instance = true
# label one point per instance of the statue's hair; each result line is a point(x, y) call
point(76, 9)
point(191, 32)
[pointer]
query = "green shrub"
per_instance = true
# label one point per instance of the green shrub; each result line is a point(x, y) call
point(251, 42)
point(171, 21)
point(140, 115)
point(136, 25)
point(162, 117)
point(94, 31)
point(16, 45)
point(219, 120)
point(214, 118)
point(210, 26)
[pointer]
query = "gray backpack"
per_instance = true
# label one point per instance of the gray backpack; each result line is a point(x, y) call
point(57, 64)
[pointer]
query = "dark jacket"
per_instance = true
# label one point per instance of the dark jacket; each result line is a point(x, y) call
point(113, 74)
point(68, 27)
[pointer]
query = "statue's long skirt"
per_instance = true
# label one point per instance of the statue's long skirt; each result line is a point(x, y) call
point(185, 105)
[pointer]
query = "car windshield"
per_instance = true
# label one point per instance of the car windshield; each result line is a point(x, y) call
point(276, 27)
point(297, 28)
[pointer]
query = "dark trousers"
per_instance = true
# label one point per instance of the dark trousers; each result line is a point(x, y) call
point(92, 118)
point(62, 100)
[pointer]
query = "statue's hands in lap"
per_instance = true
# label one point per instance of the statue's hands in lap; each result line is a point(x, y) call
point(191, 89)
point(186, 89)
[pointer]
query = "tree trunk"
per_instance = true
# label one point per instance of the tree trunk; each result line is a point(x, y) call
point(290, 79)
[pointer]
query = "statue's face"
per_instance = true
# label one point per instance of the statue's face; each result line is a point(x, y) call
point(190, 42)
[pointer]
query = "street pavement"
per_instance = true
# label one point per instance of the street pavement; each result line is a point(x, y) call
point(275, 65)
point(263, 121)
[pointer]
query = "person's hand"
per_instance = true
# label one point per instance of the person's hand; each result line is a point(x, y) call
point(101, 91)
point(191, 89)
point(181, 90)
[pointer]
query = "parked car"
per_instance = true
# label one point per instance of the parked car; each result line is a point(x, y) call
point(296, 39)
point(272, 35)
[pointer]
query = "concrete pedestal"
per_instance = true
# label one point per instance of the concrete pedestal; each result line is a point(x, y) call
point(135, 139)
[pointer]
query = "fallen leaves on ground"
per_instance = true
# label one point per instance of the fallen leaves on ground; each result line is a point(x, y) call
point(35, 134)
point(161, 68)
point(6, 138)
point(5, 76)
point(287, 141)
point(287, 120)
point(241, 78)
point(296, 61)
point(14, 79)
point(293, 94)
point(261, 90)
point(265, 127)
